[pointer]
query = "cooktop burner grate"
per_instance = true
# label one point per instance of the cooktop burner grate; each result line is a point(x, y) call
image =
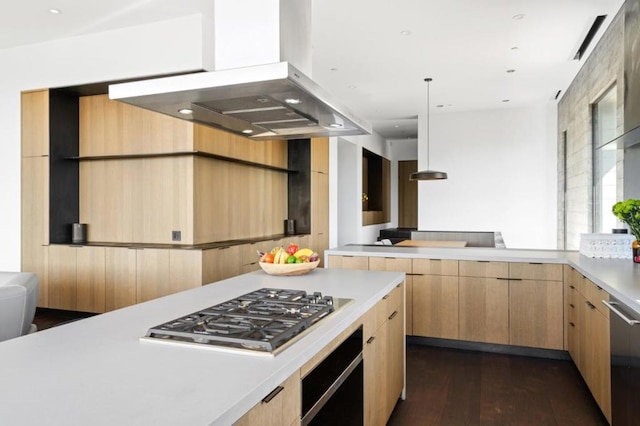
point(262, 320)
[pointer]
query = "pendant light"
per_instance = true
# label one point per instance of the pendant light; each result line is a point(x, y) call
point(428, 174)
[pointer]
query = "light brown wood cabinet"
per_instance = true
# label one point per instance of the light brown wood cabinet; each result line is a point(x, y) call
point(398, 264)
point(484, 301)
point(536, 305)
point(221, 263)
point(349, 262)
point(589, 336)
point(435, 292)
point(319, 213)
point(281, 407)
point(35, 188)
point(384, 357)
point(121, 272)
point(77, 278)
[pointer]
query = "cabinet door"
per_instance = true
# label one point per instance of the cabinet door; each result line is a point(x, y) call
point(349, 262)
point(435, 306)
point(408, 307)
point(280, 407)
point(374, 382)
point(219, 264)
point(120, 277)
point(484, 309)
point(152, 274)
point(320, 155)
point(395, 348)
point(574, 305)
point(536, 314)
point(185, 270)
point(35, 222)
point(91, 276)
point(62, 277)
point(484, 269)
point(392, 264)
point(597, 358)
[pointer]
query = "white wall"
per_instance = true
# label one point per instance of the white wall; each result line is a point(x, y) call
point(170, 46)
point(502, 170)
point(346, 182)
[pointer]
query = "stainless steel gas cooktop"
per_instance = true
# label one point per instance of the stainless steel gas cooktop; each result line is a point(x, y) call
point(264, 321)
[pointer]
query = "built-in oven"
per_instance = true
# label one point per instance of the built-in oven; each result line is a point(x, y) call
point(332, 393)
point(625, 364)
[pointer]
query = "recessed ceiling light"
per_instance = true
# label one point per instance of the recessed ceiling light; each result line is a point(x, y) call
point(293, 101)
point(185, 111)
point(518, 17)
point(55, 11)
point(405, 32)
point(333, 69)
point(247, 131)
point(396, 126)
point(351, 86)
point(511, 71)
point(514, 48)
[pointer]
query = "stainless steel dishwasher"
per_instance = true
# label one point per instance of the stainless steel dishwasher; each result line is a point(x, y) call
point(625, 364)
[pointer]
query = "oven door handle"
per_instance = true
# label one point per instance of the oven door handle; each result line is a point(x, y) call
point(624, 318)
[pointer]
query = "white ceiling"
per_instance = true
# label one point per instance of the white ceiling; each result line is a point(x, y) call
point(361, 56)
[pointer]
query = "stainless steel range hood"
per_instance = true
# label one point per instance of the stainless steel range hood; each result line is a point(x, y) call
point(272, 101)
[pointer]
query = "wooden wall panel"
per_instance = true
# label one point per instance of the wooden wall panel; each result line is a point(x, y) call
point(215, 141)
point(35, 123)
point(233, 201)
point(112, 128)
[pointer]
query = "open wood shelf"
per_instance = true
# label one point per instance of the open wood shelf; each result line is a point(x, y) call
point(180, 154)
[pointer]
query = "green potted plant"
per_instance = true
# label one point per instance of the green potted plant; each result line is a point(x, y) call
point(629, 212)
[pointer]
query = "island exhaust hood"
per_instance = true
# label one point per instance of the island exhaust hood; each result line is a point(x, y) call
point(270, 101)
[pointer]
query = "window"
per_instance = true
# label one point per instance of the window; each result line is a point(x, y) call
point(606, 158)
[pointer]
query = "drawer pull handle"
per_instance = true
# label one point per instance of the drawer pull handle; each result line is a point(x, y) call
point(572, 324)
point(515, 279)
point(535, 263)
point(393, 315)
point(504, 279)
point(267, 399)
point(590, 305)
point(385, 297)
point(370, 340)
point(572, 287)
point(483, 261)
point(571, 304)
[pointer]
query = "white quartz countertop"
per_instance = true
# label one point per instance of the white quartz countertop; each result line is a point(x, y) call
point(97, 372)
point(619, 277)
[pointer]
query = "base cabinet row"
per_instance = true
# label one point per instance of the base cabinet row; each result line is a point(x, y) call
point(100, 279)
point(588, 334)
point(492, 302)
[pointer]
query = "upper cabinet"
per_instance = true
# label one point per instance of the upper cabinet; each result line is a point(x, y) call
point(320, 155)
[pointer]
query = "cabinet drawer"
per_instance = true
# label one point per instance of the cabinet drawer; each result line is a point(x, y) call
point(390, 303)
point(393, 264)
point(576, 281)
point(573, 298)
point(349, 262)
point(536, 271)
point(595, 295)
point(435, 267)
point(484, 269)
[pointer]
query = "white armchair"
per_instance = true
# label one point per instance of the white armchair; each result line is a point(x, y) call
point(18, 298)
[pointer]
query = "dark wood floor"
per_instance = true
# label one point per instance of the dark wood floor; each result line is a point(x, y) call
point(457, 387)
point(47, 318)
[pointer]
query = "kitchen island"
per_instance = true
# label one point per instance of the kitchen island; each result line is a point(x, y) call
point(97, 371)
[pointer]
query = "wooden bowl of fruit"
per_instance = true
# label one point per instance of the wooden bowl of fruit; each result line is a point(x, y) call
point(289, 261)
